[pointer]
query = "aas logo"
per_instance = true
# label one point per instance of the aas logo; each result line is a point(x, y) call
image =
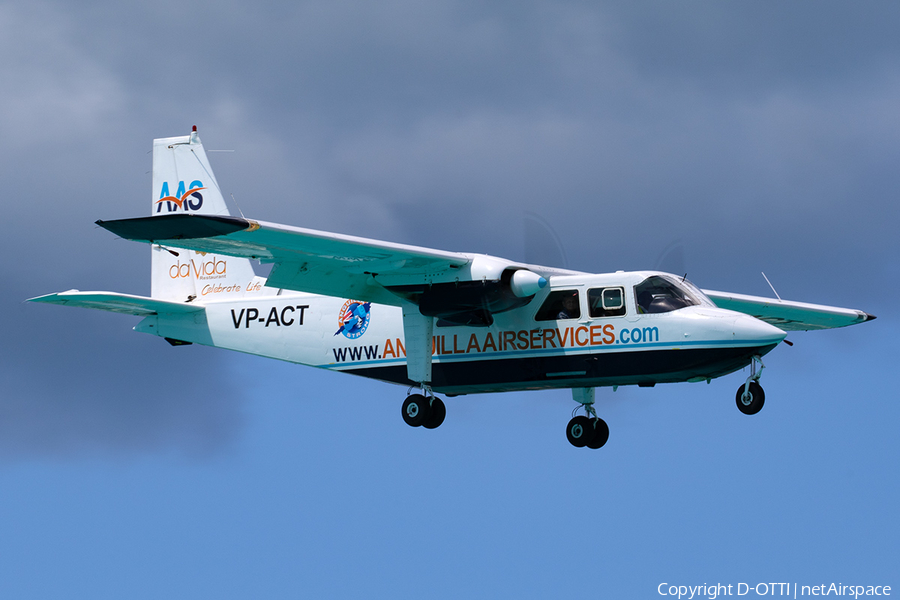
point(354, 318)
point(191, 199)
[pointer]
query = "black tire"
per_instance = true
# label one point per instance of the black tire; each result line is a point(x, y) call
point(579, 431)
point(438, 412)
point(416, 410)
point(755, 400)
point(600, 435)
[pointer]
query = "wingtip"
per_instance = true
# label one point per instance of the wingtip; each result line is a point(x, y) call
point(48, 298)
point(176, 227)
point(51, 298)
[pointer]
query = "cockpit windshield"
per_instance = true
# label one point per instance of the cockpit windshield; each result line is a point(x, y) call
point(659, 294)
point(696, 292)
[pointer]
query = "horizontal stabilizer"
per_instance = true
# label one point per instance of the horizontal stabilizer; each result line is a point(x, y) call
point(787, 315)
point(140, 306)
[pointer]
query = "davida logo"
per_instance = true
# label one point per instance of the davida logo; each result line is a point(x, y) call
point(354, 318)
point(185, 200)
point(210, 269)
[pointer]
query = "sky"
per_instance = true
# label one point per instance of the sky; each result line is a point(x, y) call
point(722, 138)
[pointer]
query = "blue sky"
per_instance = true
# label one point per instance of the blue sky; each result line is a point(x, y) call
point(753, 137)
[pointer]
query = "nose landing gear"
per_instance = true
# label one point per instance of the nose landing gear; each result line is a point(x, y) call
point(750, 397)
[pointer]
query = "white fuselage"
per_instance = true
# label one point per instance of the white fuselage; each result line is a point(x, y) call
point(517, 351)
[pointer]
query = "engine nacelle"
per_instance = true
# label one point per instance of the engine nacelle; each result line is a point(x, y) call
point(474, 302)
point(526, 283)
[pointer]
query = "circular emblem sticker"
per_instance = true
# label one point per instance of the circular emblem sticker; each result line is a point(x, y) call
point(353, 319)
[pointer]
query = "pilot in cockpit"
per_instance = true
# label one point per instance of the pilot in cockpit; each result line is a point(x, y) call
point(569, 308)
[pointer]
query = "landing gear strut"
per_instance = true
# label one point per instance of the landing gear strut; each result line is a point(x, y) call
point(750, 397)
point(426, 411)
point(586, 430)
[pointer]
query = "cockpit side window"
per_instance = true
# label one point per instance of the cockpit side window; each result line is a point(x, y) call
point(606, 302)
point(658, 295)
point(559, 305)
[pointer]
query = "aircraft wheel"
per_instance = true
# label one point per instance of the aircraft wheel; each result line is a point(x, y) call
point(600, 434)
point(416, 410)
point(438, 412)
point(751, 402)
point(579, 430)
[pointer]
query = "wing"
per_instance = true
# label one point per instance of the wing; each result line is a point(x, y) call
point(305, 260)
point(787, 315)
point(465, 288)
point(120, 303)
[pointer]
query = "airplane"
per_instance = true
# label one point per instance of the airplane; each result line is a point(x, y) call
point(431, 320)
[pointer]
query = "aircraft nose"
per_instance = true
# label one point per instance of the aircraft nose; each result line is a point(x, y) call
point(752, 329)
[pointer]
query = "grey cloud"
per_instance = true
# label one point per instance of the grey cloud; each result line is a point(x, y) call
point(52, 87)
point(750, 48)
point(756, 137)
point(81, 383)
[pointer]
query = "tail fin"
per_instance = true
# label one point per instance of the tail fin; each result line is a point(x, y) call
point(183, 182)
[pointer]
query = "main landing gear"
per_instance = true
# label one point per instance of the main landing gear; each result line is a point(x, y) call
point(591, 432)
point(586, 430)
point(426, 411)
point(750, 397)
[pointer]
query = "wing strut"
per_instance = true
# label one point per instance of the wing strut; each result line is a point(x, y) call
point(418, 330)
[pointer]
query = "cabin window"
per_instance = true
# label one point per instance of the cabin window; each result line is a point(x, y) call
point(606, 302)
point(658, 295)
point(559, 305)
